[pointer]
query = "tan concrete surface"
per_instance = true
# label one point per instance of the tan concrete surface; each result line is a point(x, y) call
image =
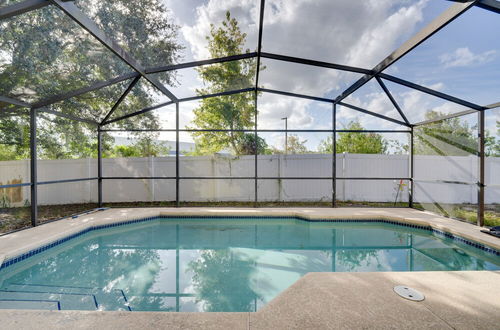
point(458, 300)
point(461, 300)
point(16, 243)
point(69, 320)
point(453, 300)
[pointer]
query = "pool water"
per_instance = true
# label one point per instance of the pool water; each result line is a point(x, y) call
point(218, 265)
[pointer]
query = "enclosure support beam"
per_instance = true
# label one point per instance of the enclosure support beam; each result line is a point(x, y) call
point(187, 99)
point(392, 99)
point(430, 91)
point(480, 184)
point(22, 7)
point(457, 114)
point(437, 24)
point(67, 116)
point(256, 95)
point(99, 166)
point(120, 100)
point(334, 154)
point(33, 168)
point(95, 86)
point(90, 26)
point(200, 63)
point(256, 151)
point(320, 64)
point(353, 107)
point(411, 191)
point(12, 101)
point(177, 174)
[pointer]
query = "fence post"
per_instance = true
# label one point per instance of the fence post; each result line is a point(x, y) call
point(33, 167)
point(177, 154)
point(99, 166)
point(480, 184)
point(412, 159)
point(256, 138)
point(334, 155)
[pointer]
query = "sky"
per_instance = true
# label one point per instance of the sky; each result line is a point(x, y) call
point(463, 59)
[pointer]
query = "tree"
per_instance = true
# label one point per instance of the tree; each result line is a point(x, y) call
point(356, 143)
point(44, 53)
point(222, 281)
point(248, 145)
point(492, 144)
point(294, 146)
point(231, 112)
point(144, 147)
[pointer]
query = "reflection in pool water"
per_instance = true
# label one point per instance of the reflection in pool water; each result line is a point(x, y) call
point(218, 264)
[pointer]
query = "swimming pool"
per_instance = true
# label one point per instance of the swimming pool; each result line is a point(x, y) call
point(218, 264)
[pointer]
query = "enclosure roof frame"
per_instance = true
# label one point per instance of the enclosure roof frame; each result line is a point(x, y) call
point(72, 11)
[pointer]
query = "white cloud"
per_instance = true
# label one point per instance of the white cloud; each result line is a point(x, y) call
point(214, 11)
point(343, 31)
point(465, 57)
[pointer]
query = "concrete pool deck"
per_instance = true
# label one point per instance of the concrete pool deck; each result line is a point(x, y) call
point(460, 300)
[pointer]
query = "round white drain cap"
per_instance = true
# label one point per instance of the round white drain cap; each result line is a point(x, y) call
point(408, 293)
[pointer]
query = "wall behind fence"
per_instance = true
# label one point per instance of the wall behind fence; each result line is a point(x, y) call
point(315, 165)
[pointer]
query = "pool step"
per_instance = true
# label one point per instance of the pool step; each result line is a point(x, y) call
point(82, 298)
point(65, 301)
point(49, 305)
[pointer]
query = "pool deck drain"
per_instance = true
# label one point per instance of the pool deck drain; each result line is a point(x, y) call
point(460, 300)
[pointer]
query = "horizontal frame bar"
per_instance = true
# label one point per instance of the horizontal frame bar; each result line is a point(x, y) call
point(85, 90)
point(12, 101)
point(302, 96)
point(22, 7)
point(320, 64)
point(40, 183)
point(245, 178)
point(187, 99)
point(353, 107)
point(15, 185)
point(261, 130)
point(458, 114)
point(446, 182)
point(68, 116)
point(186, 65)
point(430, 91)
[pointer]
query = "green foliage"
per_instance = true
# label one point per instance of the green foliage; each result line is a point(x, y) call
point(248, 145)
point(492, 143)
point(144, 147)
point(233, 112)
point(214, 281)
point(45, 53)
point(293, 146)
point(356, 143)
point(14, 138)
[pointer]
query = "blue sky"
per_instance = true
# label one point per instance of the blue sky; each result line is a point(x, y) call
point(463, 59)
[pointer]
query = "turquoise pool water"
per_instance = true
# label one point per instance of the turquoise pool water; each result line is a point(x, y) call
point(218, 264)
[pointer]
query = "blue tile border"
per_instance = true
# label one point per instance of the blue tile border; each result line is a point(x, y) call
point(11, 261)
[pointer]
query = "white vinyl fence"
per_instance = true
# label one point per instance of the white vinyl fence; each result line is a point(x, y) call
point(427, 168)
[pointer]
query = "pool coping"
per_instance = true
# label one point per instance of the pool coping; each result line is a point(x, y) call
point(52, 234)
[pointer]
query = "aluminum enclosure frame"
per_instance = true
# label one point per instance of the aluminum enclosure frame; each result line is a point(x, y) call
point(70, 9)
